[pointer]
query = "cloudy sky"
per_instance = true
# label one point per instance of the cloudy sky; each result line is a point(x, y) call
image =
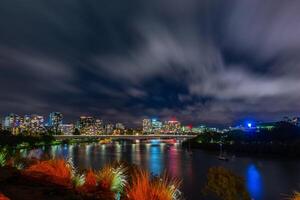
point(202, 61)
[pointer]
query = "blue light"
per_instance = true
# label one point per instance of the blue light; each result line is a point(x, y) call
point(154, 120)
point(249, 125)
point(154, 142)
point(254, 182)
point(155, 161)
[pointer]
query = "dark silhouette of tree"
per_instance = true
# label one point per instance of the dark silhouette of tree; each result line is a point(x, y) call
point(225, 185)
point(76, 131)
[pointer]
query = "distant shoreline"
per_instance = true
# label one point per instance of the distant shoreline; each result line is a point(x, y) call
point(257, 150)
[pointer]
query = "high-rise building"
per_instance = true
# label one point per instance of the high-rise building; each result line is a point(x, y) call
point(55, 120)
point(147, 126)
point(26, 123)
point(120, 126)
point(90, 126)
point(86, 121)
point(67, 129)
point(156, 126)
point(109, 128)
point(152, 126)
point(37, 123)
point(172, 126)
point(100, 126)
point(12, 123)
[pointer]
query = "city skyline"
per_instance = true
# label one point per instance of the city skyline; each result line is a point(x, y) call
point(147, 125)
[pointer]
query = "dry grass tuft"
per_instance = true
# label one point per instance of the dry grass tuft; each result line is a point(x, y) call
point(112, 178)
point(3, 197)
point(90, 184)
point(295, 196)
point(56, 171)
point(145, 188)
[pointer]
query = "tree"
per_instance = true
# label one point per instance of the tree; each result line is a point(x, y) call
point(225, 185)
point(76, 132)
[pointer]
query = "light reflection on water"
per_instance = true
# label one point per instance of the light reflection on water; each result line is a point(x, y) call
point(158, 157)
point(155, 160)
point(254, 182)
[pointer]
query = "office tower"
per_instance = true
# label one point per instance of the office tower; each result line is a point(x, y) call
point(55, 120)
point(109, 128)
point(120, 126)
point(37, 123)
point(12, 123)
point(156, 126)
point(67, 129)
point(172, 126)
point(147, 126)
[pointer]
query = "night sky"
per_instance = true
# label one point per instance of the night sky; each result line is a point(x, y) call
point(201, 61)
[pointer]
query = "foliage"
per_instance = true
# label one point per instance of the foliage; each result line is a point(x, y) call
point(159, 188)
point(76, 131)
point(3, 158)
point(282, 133)
point(70, 165)
point(112, 178)
point(225, 185)
point(78, 180)
point(295, 196)
point(19, 165)
point(90, 184)
point(3, 197)
point(55, 171)
point(119, 179)
point(15, 140)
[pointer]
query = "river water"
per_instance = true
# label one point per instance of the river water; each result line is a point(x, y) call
point(266, 179)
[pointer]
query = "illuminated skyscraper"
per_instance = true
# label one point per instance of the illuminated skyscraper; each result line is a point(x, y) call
point(67, 129)
point(172, 126)
point(147, 126)
point(109, 128)
point(90, 126)
point(156, 126)
point(27, 122)
point(120, 126)
point(36, 123)
point(86, 121)
point(55, 120)
point(12, 123)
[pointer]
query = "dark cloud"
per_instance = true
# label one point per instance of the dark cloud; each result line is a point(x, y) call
point(202, 61)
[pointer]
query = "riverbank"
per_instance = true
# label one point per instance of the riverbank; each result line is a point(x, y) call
point(58, 179)
point(291, 151)
point(282, 140)
point(15, 186)
point(12, 142)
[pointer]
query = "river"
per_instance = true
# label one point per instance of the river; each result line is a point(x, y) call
point(266, 179)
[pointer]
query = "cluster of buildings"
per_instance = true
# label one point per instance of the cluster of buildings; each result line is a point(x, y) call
point(36, 124)
point(92, 126)
point(173, 126)
point(156, 126)
point(27, 123)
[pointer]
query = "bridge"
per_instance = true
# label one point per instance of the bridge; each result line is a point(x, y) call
point(128, 137)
